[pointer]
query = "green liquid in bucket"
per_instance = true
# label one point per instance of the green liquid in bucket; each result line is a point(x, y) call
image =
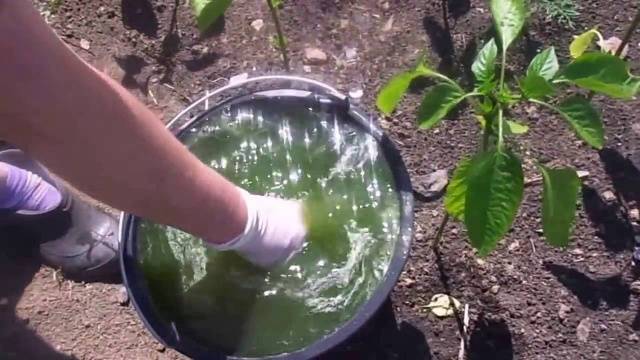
point(218, 299)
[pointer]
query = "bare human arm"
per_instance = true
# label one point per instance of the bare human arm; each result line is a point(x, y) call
point(96, 135)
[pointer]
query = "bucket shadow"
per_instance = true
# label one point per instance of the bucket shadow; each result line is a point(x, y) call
point(383, 338)
point(611, 292)
point(18, 263)
point(490, 339)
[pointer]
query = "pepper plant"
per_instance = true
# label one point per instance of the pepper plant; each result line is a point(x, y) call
point(486, 188)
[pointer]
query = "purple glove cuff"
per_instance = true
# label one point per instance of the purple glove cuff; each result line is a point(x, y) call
point(24, 190)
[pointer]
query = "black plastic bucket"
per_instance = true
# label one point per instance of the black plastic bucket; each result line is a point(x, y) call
point(276, 88)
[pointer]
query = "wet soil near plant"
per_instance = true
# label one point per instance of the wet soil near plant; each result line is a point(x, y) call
point(526, 300)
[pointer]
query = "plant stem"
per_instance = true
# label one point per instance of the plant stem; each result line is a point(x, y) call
point(629, 34)
point(500, 126)
point(282, 46)
point(503, 68)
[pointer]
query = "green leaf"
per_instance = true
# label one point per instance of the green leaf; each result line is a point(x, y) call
point(581, 43)
point(535, 86)
point(544, 64)
point(484, 67)
point(457, 190)
point(584, 120)
point(208, 11)
point(276, 3)
point(561, 187)
point(511, 128)
point(509, 17)
point(516, 128)
point(603, 73)
point(437, 103)
point(495, 188)
point(391, 94)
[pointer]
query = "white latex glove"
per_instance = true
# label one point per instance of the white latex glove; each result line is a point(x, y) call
point(274, 233)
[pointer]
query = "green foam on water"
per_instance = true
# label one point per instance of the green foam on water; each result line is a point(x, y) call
point(351, 209)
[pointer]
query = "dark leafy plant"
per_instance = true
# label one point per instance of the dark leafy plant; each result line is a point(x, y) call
point(564, 12)
point(486, 189)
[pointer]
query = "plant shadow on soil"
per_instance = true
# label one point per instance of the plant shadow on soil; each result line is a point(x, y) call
point(611, 292)
point(18, 264)
point(140, 16)
point(612, 218)
point(490, 339)
point(382, 337)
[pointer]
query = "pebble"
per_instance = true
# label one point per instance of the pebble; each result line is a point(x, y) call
point(577, 252)
point(635, 287)
point(563, 311)
point(608, 196)
point(494, 289)
point(85, 44)
point(634, 215)
point(356, 94)
point(314, 56)
point(257, 24)
point(160, 347)
point(583, 329)
point(122, 296)
point(514, 245)
point(350, 53)
point(634, 337)
point(388, 26)
point(433, 184)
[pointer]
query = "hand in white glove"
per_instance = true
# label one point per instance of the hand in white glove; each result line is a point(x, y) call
point(274, 233)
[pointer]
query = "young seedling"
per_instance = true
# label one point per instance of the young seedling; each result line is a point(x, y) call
point(486, 189)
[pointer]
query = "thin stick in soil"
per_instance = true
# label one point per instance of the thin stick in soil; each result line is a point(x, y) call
point(282, 45)
point(630, 30)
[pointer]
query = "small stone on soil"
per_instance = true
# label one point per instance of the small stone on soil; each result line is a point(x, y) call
point(432, 184)
point(582, 174)
point(314, 56)
point(583, 329)
point(635, 287)
point(514, 246)
point(563, 312)
point(634, 215)
point(122, 296)
point(257, 24)
point(388, 26)
point(350, 53)
point(577, 252)
point(160, 348)
point(356, 94)
point(608, 196)
point(634, 337)
point(494, 289)
point(85, 44)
